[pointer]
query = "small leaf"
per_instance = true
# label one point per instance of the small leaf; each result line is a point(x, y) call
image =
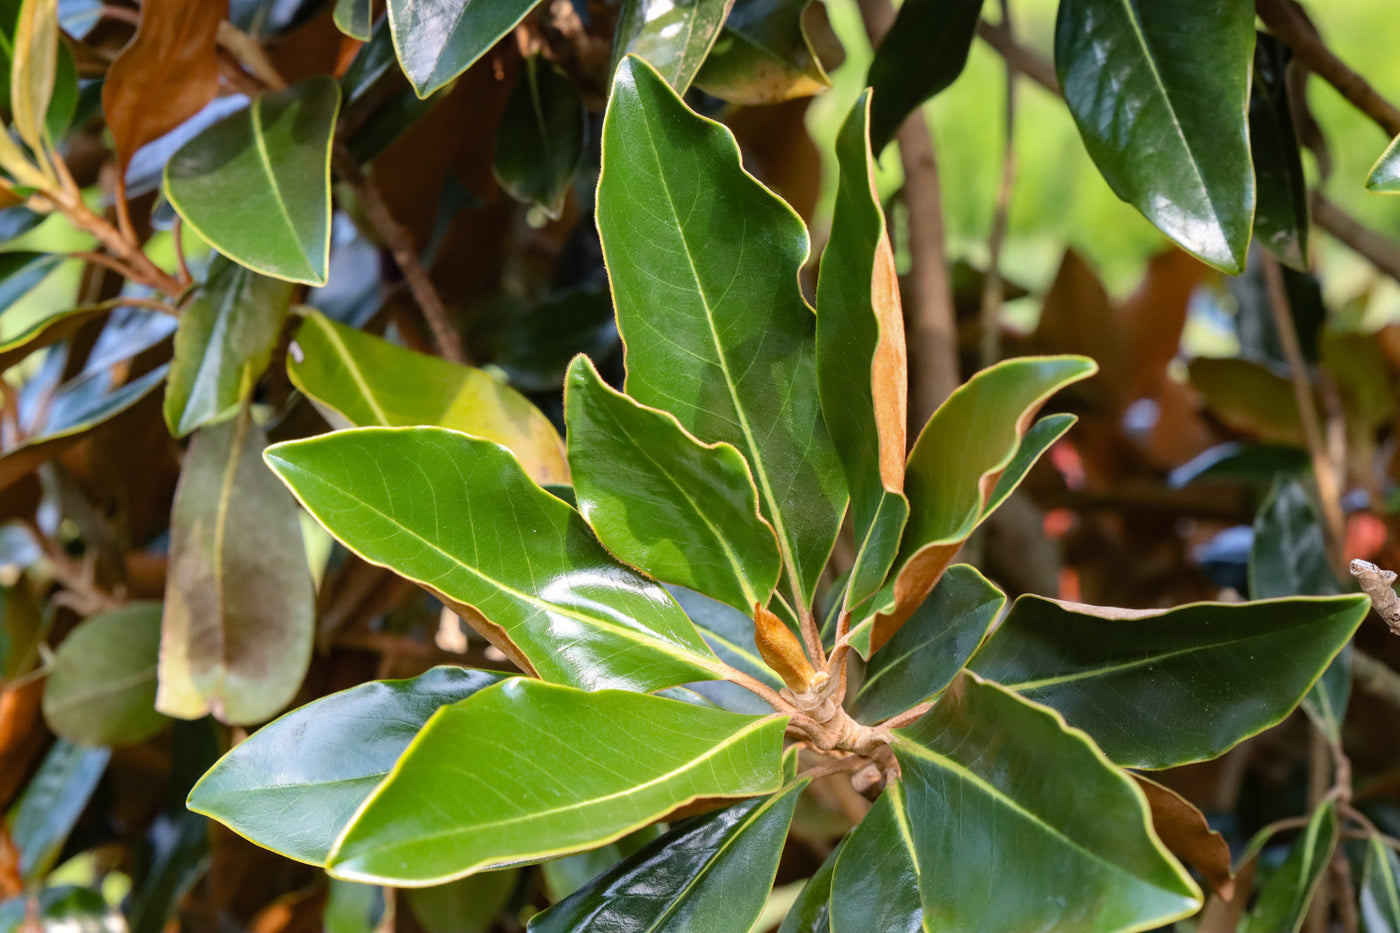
point(811, 912)
point(393, 387)
point(436, 40)
point(456, 517)
point(165, 75)
point(33, 71)
point(256, 184)
point(1159, 92)
point(926, 654)
point(1283, 899)
point(55, 797)
point(680, 511)
point(1186, 834)
point(102, 689)
point(225, 340)
point(541, 137)
point(763, 55)
point(568, 793)
point(1281, 217)
point(354, 18)
point(229, 647)
point(717, 331)
point(1142, 681)
point(981, 812)
point(1384, 177)
point(253, 788)
point(673, 38)
point(1380, 888)
point(923, 53)
point(46, 332)
point(710, 872)
point(876, 882)
point(782, 651)
point(1250, 397)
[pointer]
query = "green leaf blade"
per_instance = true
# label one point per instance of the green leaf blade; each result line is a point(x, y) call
point(648, 29)
point(875, 885)
point(1380, 888)
point(923, 53)
point(1283, 899)
point(1384, 177)
point(436, 40)
point(541, 137)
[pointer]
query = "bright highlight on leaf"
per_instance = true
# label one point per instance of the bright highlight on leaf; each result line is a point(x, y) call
point(1384, 177)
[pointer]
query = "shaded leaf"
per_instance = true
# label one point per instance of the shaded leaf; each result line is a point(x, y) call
point(164, 76)
point(436, 40)
point(981, 811)
point(710, 872)
point(673, 38)
point(564, 876)
point(468, 905)
point(1162, 687)
point(926, 654)
point(763, 55)
point(253, 788)
point(102, 690)
point(1250, 397)
point(716, 328)
point(811, 912)
point(456, 517)
point(393, 387)
point(354, 18)
point(226, 338)
point(1283, 898)
point(256, 184)
point(52, 803)
point(569, 743)
point(876, 882)
point(230, 648)
point(1281, 216)
point(923, 53)
point(1159, 92)
point(680, 511)
point(541, 136)
point(46, 332)
point(730, 634)
point(1384, 177)
point(1380, 888)
point(1186, 834)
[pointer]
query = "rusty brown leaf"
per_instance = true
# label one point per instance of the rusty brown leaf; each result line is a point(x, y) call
point(1184, 831)
point(781, 650)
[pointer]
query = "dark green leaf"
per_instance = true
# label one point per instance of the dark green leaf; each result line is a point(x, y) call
point(716, 328)
point(540, 139)
point(926, 654)
point(255, 786)
point(354, 18)
point(763, 55)
point(811, 912)
point(1036, 441)
point(712, 872)
point(997, 790)
point(1283, 898)
point(673, 38)
point(225, 340)
point(1384, 177)
point(564, 876)
point(52, 803)
point(1159, 91)
point(1380, 888)
point(1281, 217)
point(456, 518)
point(876, 882)
point(923, 53)
point(562, 765)
point(680, 511)
point(1163, 687)
point(257, 185)
point(436, 40)
point(228, 647)
point(102, 689)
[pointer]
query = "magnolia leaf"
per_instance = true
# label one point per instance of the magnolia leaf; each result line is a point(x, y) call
point(680, 511)
point(923, 53)
point(875, 885)
point(33, 70)
point(253, 788)
point(393, 387)
point(53, 800)
point(436, 40)
point(975, 778)
point(455, 513)
point(354, 18)
point(541, 136)
point(46, 332)
point(257, 184)
point(21, 271)
point(1159, 92)
point(811, 912)
point(567, 791)
point(1281, 216)
point(710, 872)
point(763, 55)
point(228, 647)
point(673, 38)
point(1283, 898)
point(1137, 680)
point(102, 689)
point(1250, 397)
point(1384, 177)
point(1380, 888)
point(717, 331)
point(1186, 834)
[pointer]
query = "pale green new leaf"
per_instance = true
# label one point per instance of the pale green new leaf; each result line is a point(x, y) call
point(436, 40)
point(1384, 176)
point(33, 70)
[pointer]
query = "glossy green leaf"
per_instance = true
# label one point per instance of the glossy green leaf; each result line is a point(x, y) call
point(970, 442)
point(583, 768)
point(1281, 217)
point(1380, 888)
point(926, 654)
point(354, 18)
point(1159, 92)
point(257, 184)
point(33, 70)
point(564, 876)
point(716, 328)
point(102, 689)
point(455, 514)
point(225, 340)
point(711, 872)
point(52, 802)
point(923, 53)
point(680, 511)
point(1019, 823)
point(730, 635)
point(1158, 688)
point(862, 365)
point(541, 136)
point(436, 40)
point(876, 882)
point(1384, 177)
point(673, 38)
point(253, 788)
point(1042, 435)
point(389, 386)
point(811, 912)
point(228, 647)
point(763, 55)
point(1283, 898)
point(20, 271)
point(46, 332)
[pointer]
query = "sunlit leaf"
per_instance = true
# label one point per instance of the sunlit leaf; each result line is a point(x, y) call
point(923, 52)
point(1384, 177)
point(763, 55)
point(33, 70)
point(673, 38)
point(436, 40)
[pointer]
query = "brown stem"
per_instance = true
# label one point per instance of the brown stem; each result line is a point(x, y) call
point(142, 269)
point(912, 714)
point(1375, 248)
point(1025, 60)
point(755, 686)
point(106, 261)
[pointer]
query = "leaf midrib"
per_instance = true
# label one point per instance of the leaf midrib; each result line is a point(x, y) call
point(260, 141)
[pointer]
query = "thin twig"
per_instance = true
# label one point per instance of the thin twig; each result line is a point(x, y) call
point(912, 714)
point(106, 261)
point(177, 234)
point(1025, 60)
point(992, 292)
point(1374, 247)
point(755, 686)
